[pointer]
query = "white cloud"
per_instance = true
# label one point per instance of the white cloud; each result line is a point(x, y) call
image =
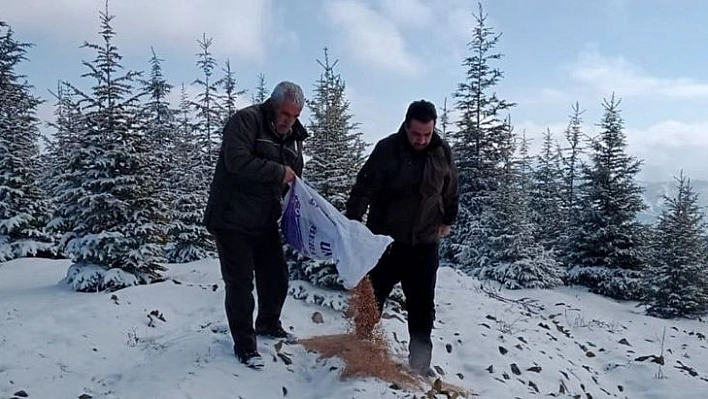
point(238, 27)
point(378, 117)
point(408, 13)
point(666, 148)
point(662, 163)
point(371, 38)
point(545, 96)
point(460, 22)
point(616, 74)
point(453, 30)
point(672, 134)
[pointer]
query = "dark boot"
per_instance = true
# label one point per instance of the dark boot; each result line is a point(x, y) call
point(250, 359)
point(420, 351)
point(277, 332)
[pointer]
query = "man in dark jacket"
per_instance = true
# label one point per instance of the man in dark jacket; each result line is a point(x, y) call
point(261, 152)
point(409, 185)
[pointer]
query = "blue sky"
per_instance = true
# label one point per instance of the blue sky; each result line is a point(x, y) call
point(650, 53)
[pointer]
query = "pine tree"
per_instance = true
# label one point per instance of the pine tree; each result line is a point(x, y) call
point(208, 111)
point(676, 284)
point(444, 120)
point(523, 162)
point(479, 143)
point(56, 146)
point(63, 178)
point(571, 157)
point(110, 201)
point(231, 93)
point(199, 141)
point(335, 147)
point(24, 210)
point(606, 247)
point(188, 238)
point(159, 126)
point(261, 93)
point(546, 194)
point(513, 256)
point(336, 153)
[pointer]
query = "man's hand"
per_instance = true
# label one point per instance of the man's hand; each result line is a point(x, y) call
point(289, 175)
point(443, 230)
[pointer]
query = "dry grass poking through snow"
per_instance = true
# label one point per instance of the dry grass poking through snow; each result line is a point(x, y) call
point(363, 349)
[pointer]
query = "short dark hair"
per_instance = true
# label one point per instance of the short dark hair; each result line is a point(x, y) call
point(422, 111)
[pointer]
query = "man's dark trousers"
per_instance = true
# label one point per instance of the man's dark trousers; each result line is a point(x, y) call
point(415, 267)
point(241, 255)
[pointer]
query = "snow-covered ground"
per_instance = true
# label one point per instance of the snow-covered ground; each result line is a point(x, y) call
point(170, 340)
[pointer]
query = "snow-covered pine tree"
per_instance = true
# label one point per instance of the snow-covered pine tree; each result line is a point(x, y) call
point(522, 161)
point(606, 246)
point(478, 143)
point(335, 147)
point(444, 118)
point(336, 153)
point(63, 178)
point(56, 143)
point(188, 238)
point(513, 255)
point(114, 211)
point(571, 155)
point(676, 282)
point(230, 92)
point(546, 194)
point(208, 111)
point(199, 141)
point(24, 209)
point(261, 93)
point(159, 126)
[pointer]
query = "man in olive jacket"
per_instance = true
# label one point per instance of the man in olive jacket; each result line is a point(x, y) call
point(409, 185)
point(261, 152)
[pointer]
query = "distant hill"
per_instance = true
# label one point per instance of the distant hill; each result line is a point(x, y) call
point(654, 197)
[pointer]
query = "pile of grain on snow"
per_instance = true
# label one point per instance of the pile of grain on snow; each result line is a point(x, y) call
point(363, 350)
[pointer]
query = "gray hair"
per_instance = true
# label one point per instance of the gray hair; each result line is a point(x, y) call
point(287, 91)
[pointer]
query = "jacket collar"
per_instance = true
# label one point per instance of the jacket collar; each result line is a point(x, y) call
point(297, 132)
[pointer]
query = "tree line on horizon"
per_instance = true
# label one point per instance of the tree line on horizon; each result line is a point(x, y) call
point(121, 187)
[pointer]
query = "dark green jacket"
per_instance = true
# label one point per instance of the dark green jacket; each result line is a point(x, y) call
point(247, 187)
point(409, 193)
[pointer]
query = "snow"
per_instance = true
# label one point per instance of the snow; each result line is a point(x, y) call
point(170, 340)
point(90, 277)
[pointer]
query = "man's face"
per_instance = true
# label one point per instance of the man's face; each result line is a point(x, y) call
point(419, 133)
point(285, 116)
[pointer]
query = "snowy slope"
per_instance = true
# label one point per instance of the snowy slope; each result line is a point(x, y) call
point(55, 343)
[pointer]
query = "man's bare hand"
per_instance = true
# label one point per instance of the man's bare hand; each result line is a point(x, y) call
point(289, 175)
point(443, 230)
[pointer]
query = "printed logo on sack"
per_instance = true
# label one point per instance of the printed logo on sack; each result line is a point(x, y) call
point(326, 248)
point(291, 223)
point(311, 239)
